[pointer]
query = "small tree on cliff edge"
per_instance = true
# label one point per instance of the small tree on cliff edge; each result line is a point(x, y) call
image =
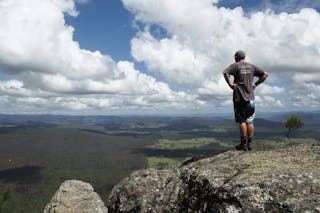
point(292, 123)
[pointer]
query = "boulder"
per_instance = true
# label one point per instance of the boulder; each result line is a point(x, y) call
point(144, 190)
point(281, 180)
point(75, 196)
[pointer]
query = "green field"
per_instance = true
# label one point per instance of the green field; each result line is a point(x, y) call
point(159, 162)
point(182, 143)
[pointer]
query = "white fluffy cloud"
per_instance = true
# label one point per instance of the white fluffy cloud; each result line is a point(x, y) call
point(34, 38)
point(14, 88)
point(206, 36)
point(47, 71)
point(53, 73)
point(276, 41)
point(265, 89)
point(175, 61)
point(269, 102)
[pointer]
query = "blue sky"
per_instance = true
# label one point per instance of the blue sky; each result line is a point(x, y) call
point(154, 57)
point(105, 26)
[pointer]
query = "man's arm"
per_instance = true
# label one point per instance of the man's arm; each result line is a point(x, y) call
point(261, 79)
point(227, 78)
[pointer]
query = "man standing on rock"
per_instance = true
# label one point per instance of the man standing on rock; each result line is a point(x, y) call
point(243, 95)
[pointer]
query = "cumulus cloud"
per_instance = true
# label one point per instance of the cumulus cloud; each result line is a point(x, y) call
point(206, 36)
point(214, 90)
point(175, 61)
point(47, 71)
point(17, 88)
point(218, 32)
point(265, 89)
point(307, 97)
point(13, 87)
point(306, 77)
point(52, 72)
point(35, 38)
point(269, 102)
point(100, 104)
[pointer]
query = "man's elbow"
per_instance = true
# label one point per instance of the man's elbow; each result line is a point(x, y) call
point(265, 75)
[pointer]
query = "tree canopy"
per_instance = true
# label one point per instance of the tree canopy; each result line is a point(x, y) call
point(293, 123)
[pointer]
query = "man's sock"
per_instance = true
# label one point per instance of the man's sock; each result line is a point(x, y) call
point(243, 140)
point(249, 143)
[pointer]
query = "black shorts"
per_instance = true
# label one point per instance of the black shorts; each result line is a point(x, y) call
point(244, 111)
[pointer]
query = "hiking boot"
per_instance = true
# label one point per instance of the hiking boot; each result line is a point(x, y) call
point(241, 146)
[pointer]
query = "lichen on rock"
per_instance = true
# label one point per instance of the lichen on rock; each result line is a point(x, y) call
point(75, 196)
point(280, 180)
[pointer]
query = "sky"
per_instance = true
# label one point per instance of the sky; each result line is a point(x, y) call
point(151, 57)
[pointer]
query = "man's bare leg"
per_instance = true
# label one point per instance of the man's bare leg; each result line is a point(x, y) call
point(243, 133)
point(243, 129)
point(250, 130)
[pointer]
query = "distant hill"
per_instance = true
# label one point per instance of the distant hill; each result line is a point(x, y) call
point(152, 122)
point(307, 117)
point(261, 122)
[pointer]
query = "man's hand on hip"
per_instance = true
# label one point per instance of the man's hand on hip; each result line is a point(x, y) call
point(233, 85)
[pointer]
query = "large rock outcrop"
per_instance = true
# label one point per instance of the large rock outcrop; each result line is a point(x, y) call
point(280, 180)
point(75, 196)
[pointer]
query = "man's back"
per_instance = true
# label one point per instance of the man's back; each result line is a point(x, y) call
point(243, 73)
